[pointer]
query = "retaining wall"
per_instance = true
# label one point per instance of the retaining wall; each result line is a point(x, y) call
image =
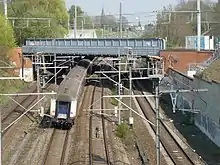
point(208, 119)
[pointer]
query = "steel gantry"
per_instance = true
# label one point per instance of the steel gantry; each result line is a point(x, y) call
point(155, 70)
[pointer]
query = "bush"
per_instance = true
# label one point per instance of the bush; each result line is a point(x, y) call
point(122, 130)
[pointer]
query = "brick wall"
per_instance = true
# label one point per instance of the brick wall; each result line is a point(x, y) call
point(15, 57)
point(180, 59)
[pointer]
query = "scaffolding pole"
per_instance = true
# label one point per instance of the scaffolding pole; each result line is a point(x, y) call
point(130, 88)
point(119, 87)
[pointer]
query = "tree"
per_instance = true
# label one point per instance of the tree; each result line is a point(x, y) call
point(83, 20)
point(6, 33)
point(216, 26)
point(176, 26)
point(150, 31)
point(6, 37)
point(54, 9)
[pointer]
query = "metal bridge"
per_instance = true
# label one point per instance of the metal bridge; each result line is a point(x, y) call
point(94, 46)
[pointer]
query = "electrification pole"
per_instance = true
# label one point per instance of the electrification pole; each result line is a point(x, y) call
point(198, 24)
point(38, 77)
point(157, 124)
point(75, 21)
point(119, 87)
point(120, 26)
point(130, 88)
point(5, 9)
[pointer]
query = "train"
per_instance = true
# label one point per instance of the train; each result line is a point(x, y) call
point(64, 105)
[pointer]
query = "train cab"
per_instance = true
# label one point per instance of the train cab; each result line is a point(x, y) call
point(62, 113)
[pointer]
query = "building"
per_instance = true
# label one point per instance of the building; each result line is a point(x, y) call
point(83, 33)
point(15, 57)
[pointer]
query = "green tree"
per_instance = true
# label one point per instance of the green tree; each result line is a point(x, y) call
point(216, 25)
point(176, 25)
point(6, 33)
point(83, 20)
point(54, 9)
point(7, 40)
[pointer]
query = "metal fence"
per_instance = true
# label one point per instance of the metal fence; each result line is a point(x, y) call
point(199, 67)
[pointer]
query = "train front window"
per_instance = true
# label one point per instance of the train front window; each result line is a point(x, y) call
point(63, 109)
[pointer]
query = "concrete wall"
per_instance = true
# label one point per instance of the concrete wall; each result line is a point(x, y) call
point(209, 104)
point(208, 119)
point(28, 74)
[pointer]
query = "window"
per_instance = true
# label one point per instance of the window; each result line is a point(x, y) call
point(147, 43)
point(154, 43)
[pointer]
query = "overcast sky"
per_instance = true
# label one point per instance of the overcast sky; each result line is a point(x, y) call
point(93, 7)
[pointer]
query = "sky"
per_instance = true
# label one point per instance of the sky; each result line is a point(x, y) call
point(94, 7)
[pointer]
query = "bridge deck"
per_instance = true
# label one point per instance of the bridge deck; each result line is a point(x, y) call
point(107, 47)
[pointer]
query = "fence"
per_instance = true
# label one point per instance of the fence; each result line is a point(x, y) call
point(199, 67)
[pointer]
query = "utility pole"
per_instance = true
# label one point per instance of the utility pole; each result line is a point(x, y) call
point(130, 88)
point(157, 124)
point(38, 77)
point(198, 24)
point(5, 9)
point(55, 68)
point(120, 25)
point(119, 86)
point(75, 21)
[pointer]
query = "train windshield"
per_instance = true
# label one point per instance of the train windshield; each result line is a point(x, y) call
point(63, 109)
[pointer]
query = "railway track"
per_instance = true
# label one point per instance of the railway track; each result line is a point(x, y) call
point(104, 129)
point(55, 153)
point(176, 153)
point(16, 112)
point(92, 159)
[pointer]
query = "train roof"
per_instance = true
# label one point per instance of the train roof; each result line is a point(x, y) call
point(65, 97)
point(69, 86)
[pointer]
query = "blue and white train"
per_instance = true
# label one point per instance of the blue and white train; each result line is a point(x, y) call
point(64, 105)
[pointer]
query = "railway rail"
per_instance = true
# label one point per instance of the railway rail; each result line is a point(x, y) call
point(106, 160)
point(16, 112)
point(104, 129)
point(176, 153)
point(55, 153)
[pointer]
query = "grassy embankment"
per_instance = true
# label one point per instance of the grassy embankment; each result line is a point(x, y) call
point(9, 86)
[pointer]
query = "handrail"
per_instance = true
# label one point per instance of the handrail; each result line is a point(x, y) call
point(198, 67)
